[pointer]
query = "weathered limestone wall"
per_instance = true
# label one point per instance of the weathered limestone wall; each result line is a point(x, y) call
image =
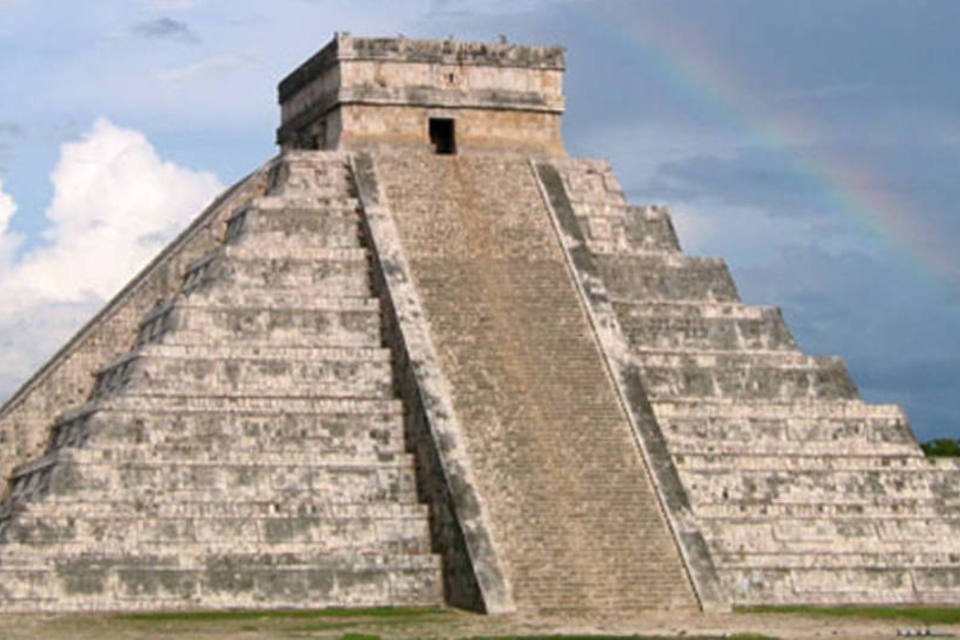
point(802, 493)
point(372, 127)
point(363, 92)
point(248, 451)
point(66, 380)
point(572, 509)
point(450, 84)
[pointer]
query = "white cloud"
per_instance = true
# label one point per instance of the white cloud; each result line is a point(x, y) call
point(115, 204)
point(7, 208)
point(8, 241)
point(171, 5)
point(216, 65)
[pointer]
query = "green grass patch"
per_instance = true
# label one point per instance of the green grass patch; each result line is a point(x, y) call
point(378, 613)
point(928, 615)
point(358, 636)
point(739, 636)
point(562, 638)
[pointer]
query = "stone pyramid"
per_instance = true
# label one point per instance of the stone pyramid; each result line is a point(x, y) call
point(424, 357)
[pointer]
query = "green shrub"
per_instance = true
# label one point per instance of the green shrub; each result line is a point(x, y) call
point(942, 447)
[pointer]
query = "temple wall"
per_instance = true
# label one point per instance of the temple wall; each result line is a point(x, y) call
point(368, 92)
point(476, 129)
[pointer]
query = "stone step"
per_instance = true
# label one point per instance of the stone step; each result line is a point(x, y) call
point(861, 535)
point(267, 352)
point(61, 476)
point(297, 220)
point(680, 446)
point(767, 331)
point(299, 228)
point(238, 506)
point(323, 433)
point(707, 377)
point(328, 164)
point(201, 556)
point(649, 228)
point(305, 251)
point(329, 189)
point(251, 405)
point(280, 243)
point(664, 276)
point(339, 194)
point(161, 375)
point(726, 359)
point(718, 428)
point(331, 204)
point(844, 550)
point(311, 175)
point(863, 586)
point(818, 507)
point(742, 485)
point(319, 165)
point(328, 269)
point(105, 583)
point(328, 322)
point(801, 409)
point(689, 309)
point(890, 558)
point(175, 453)
point(837, 460)
point(227, 295)
point(27, 534)
point(892, 526)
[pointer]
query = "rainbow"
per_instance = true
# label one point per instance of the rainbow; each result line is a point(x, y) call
point(693, 70)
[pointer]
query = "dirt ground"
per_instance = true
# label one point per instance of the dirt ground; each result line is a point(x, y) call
point(452, 624)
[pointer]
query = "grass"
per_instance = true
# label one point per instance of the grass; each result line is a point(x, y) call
point(348, 622)
point(738, 636)
point(560, 638)
point(341, 624)
point(379, 613)
point(926, 615)
point(284, 622)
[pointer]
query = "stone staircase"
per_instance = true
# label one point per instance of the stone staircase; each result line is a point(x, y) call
point(573, 512)
point(803, 493)
point(249, 450)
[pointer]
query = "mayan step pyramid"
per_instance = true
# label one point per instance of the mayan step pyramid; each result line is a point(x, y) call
point(422, 357)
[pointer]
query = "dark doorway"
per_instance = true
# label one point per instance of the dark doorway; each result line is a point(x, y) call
point(442, 136)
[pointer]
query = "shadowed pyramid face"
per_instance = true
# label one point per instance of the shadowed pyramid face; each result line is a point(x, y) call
point(368, 93)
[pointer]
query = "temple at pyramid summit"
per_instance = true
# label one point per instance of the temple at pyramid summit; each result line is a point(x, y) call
point(424, 357)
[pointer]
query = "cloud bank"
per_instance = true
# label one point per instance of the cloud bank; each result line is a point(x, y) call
point(115, 205)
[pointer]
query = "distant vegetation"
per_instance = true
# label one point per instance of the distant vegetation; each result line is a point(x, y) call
point(942, 447)
point(925, 615)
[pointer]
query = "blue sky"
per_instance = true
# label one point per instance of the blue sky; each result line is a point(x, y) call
point(752, 119)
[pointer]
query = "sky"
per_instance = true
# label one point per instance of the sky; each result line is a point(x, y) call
point(814, 145)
